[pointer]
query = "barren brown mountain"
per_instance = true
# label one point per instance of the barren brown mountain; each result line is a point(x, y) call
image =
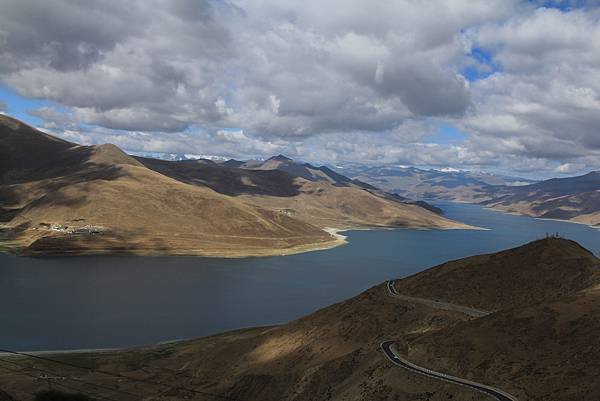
point(575, 199)
point(315, 195)
point(539, 341)
point(57, 197)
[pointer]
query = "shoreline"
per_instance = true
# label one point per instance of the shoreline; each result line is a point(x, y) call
point(595, 227)
point(133, 348)
point(336, 240)
point(491, 208)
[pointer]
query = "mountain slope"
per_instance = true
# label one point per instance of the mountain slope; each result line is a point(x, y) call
point(302, 170)
point(61, 198)
point(541, 339)
point(225, 179)
point(495, 281)
point(314, 195)
point(574, 198)
point(539, 343)
point(86, 199)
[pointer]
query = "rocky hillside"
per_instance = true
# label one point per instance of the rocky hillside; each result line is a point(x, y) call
point(538, 341)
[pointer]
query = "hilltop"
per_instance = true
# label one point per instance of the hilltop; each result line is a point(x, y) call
point(58, 197)
point(537, 340)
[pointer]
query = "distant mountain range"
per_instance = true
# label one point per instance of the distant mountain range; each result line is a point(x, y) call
point(58, 197)
point(575, 199)
point(413, 182)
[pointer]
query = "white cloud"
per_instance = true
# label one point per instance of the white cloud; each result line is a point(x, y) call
point(334, 80)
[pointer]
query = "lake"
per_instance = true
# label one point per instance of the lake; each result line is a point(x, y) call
point(120, 301)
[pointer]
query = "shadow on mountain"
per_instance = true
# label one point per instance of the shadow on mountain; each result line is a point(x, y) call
point(17, 198)
point(230, 181)
point(105, 243)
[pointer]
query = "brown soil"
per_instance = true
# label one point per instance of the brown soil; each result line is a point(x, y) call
point(540, 343)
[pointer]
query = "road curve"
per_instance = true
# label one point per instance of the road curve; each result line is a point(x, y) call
point(388, 350)
point(497, 394)
point(436, 304)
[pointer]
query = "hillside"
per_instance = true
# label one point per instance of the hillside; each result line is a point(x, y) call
point(315, 195)
point(304, 170)
point(574, 198)
point(57, 197)
point(495, 281)
point(538, 343)
point(88, 199)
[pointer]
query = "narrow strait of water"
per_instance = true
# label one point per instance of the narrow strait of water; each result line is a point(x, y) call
point(115, 301)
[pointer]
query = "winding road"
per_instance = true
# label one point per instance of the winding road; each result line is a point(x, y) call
point(390, 351)
point(436, 304)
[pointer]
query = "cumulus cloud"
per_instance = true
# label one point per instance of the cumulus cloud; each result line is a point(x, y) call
point(162, 65)
point(333, 80)
point(545, 103)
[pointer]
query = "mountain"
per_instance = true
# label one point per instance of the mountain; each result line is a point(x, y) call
point(574, 198)
point(416, 183)
point(316, 195)
point(535, 338)
point(57, 197)
point(324, 173)
point(304, 170)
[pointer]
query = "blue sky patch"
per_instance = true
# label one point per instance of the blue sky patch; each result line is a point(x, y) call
point(447, 135)
point(562, 5)
point(483, 65)
point(18, 106)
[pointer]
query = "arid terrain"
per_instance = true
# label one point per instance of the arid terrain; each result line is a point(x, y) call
point(57, 197)
point(418, 183)
point(575, 199)
point(537, 340)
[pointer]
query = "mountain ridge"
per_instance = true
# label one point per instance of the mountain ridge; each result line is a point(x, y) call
point(575, 199)
point(61, 198)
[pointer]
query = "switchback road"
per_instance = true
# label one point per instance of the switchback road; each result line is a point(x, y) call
point(392, 355)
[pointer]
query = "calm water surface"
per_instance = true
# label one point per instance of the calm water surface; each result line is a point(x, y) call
point(109, 301)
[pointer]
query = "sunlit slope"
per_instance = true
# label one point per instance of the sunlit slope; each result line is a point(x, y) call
point(105, 201)
point(327, 201)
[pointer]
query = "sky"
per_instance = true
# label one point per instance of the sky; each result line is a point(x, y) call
point(507, 86)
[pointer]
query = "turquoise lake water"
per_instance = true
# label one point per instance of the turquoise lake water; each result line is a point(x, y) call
point(114, 301)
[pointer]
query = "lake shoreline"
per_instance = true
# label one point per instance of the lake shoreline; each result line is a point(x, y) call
point(125, 302)
point(336, 241)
